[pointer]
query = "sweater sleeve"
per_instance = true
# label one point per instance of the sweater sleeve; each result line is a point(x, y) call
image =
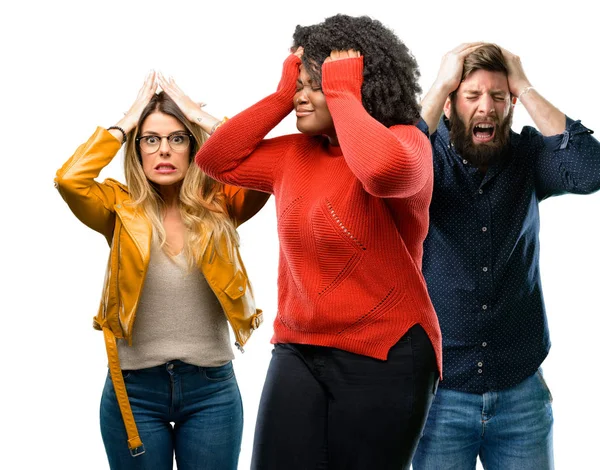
point(394, 162)
point(237, 153)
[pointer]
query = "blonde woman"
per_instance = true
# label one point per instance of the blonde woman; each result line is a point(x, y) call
point(175, 273)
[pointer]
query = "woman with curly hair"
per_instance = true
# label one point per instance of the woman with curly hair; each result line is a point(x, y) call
point(174, 278)
point(357, 342)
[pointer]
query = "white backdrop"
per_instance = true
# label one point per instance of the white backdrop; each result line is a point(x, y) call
point(70, 66)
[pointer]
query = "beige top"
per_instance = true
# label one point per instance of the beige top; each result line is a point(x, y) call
point(178, 317)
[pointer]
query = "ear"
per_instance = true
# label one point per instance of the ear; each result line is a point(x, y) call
point(447, 108)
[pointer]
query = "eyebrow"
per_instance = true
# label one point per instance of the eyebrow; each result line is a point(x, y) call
point(152, 133)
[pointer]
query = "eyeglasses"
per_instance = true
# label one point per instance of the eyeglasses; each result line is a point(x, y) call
point(178, 141)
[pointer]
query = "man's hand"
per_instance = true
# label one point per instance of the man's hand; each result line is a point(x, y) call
point(517, 80)
point(448, 80)
point(451, 68)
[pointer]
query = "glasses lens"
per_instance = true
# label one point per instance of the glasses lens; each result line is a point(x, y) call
point(179, 141)
point(150, 143)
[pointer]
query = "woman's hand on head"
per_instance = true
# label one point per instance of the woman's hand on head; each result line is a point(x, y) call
point(340, 55)
point(148, 90)
point(298, 51)
point(190, 108)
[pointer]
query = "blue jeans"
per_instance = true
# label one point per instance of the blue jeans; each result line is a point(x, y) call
point(204, 403)
point(509, 430)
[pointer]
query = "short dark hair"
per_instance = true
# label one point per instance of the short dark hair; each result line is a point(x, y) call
point(390, 75)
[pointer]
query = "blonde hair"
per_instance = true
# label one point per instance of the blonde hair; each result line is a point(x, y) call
point(202, 202)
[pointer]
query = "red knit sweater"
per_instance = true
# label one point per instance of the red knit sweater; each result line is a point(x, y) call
point(351, 219)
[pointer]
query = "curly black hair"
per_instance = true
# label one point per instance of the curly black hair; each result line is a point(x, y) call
point(390, 75)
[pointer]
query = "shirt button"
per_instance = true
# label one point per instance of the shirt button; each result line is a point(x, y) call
point(484, 307)
point(480, 191)
point(170, 367)
point(479, 371)
point(480, 364)
point(484, 229)
point(485, 269)
point(465, 161)
point(240, 288)
point(484, 344)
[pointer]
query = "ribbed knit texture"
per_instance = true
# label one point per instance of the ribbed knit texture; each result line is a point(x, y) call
point(351, 219)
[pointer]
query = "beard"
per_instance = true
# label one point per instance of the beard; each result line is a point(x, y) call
point(480, 155)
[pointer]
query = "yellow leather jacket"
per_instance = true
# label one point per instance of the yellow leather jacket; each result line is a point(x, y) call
point(105, 208)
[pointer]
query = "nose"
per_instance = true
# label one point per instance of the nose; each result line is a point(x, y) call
point(301, 97)
point(486, 104)
point(164, 148)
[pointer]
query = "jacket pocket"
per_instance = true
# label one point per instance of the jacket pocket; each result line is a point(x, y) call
point(237, 286)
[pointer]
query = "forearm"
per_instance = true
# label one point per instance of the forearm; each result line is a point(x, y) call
point(81, 170)
point(548, 119)
point(207, 122)
point(568, 162)
point(237, 152)
point(394, 162)
point(76, 182)
point(432, 105)
point(234, 150)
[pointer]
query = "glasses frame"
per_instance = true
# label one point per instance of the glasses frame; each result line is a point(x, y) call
point(168, 137)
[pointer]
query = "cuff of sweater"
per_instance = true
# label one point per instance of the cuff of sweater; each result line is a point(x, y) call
point(289, 76)
point(343, 75)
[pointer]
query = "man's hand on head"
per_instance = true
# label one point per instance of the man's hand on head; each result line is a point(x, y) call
point(451, 68)
point(517, 80)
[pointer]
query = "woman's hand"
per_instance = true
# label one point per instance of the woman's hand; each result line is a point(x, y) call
point(131, 118)
point(192, 110)
point(340, 55)
point(298, 52)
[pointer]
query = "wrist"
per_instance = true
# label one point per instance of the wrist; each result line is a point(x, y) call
point(217, 124)
point(118, 130)
point(444, 88)
point(126, 124)
point(291, 69)
point(519, 87)
point(343, 74)
point(525, 90)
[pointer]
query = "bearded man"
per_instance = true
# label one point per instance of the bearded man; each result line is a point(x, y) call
point(481, 257)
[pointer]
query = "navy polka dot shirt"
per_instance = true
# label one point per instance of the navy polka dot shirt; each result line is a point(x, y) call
point(481, 256)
